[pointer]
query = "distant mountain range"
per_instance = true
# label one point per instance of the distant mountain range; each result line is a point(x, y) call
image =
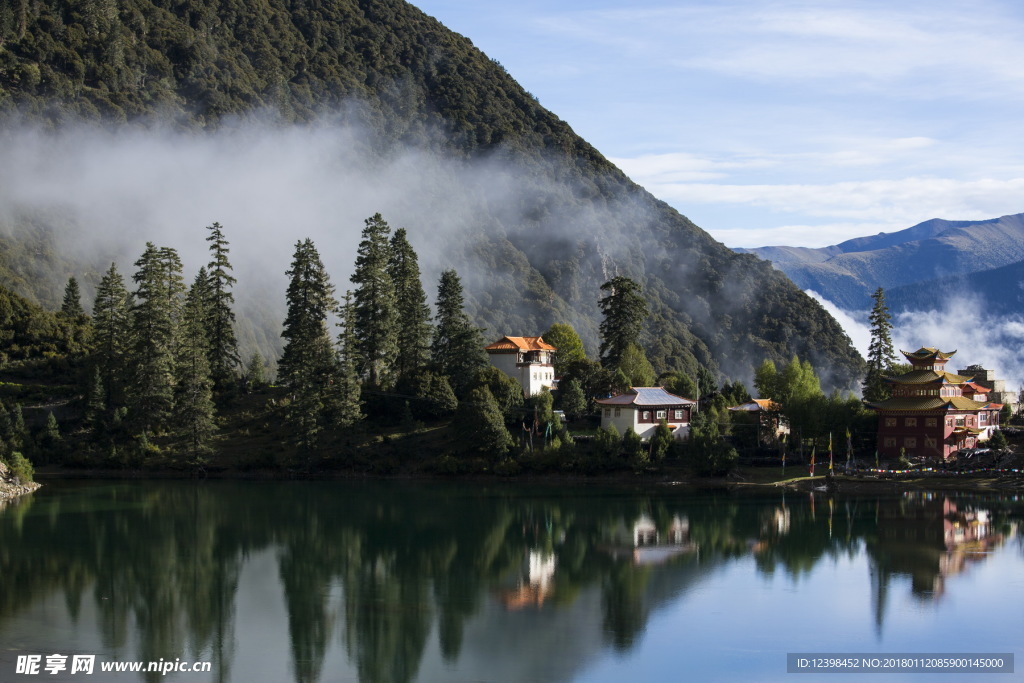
point(917, 267)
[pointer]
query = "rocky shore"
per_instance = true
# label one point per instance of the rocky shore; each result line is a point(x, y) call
point(11, 487)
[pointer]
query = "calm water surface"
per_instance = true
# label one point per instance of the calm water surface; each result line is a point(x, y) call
point(396, 582)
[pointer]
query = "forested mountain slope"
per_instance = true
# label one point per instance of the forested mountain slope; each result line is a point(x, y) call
point(529, 258)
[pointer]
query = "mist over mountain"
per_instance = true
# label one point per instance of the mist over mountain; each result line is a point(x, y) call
point(148, 120)
point(936, 250)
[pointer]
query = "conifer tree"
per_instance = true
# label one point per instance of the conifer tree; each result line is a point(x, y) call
point(6, 427)
point(624, 310)
point(458, 346)
point(220, 322)
point(413, 314)
point(480, 425)
point(155, 319)
point(346, 387)
point(376, 315)
point(194, 413)
point(307, 365)
point(96, 404)
point(881, 356)
point(111, 316)
point(256, 371)
point(19, 432)
point(50, 435)
point(71, 308)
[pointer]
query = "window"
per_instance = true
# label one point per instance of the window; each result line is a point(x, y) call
point(929, 442)
point(645, 415)
point(677, 415)
point(910, 442)
point(618, 412)
point(890, 422)
point(931, 422)
point(890, 442)
point(960, 421)
point(981, 419)
point(607, 412)
point(661, 414)
point(911, 422)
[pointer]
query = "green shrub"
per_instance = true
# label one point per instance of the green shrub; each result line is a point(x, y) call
point(21, 468)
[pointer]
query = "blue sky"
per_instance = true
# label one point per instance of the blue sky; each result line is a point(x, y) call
point(764, 122)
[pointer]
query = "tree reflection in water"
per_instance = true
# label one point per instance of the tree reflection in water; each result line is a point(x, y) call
point(378, 567)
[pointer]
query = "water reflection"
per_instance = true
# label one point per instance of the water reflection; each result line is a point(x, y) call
point(390, 573)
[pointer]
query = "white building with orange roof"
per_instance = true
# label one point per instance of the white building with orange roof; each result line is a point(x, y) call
point(528, 360)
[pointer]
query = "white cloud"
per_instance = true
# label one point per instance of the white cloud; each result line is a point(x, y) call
point(817, 235)
point(894, 203)
point(978, 339)
point(853, 323)
point(874, 45)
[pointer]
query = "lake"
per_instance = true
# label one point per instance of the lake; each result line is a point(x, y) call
point(469, 581)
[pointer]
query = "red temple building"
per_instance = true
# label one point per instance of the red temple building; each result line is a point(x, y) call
point(932, 412)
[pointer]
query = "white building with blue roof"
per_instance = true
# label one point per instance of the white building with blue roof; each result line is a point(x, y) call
point(644, 408)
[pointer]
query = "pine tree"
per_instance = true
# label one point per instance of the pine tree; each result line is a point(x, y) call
point(458, 346)
point(347, 407)
point(881, 356)
point(96, 404)
point(256, 371)
point(624, 310)
point(413, 330)
point(194, 413)
point(376, 314)
point(71, 308)
point(307, 365)
point(220, 322)
point(155, 319)
point(480, 425)
point(111, 315)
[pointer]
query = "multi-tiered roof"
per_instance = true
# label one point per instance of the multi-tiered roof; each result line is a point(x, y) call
point(929, 388)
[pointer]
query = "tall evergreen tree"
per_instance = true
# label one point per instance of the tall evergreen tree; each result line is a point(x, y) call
point(376, 314)
point(624, 310)
point(458, 346)
point(72, 312)
point(194, 413)
point(155, 319)
point(881, 356)
point(220, 323)
point(307, 365)
point(346, 388)
point(71, 308)
point(413, 314)
point(111, 316)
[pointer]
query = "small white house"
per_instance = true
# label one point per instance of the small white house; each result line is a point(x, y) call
point(528, 360)
point(644, 408)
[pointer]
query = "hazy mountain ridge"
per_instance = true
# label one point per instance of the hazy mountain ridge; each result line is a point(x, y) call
point(935, 250)
point(542, 218)
point(999, 291)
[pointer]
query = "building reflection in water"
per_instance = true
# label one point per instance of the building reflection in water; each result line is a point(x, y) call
point(929, 537)
point(641, 543)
